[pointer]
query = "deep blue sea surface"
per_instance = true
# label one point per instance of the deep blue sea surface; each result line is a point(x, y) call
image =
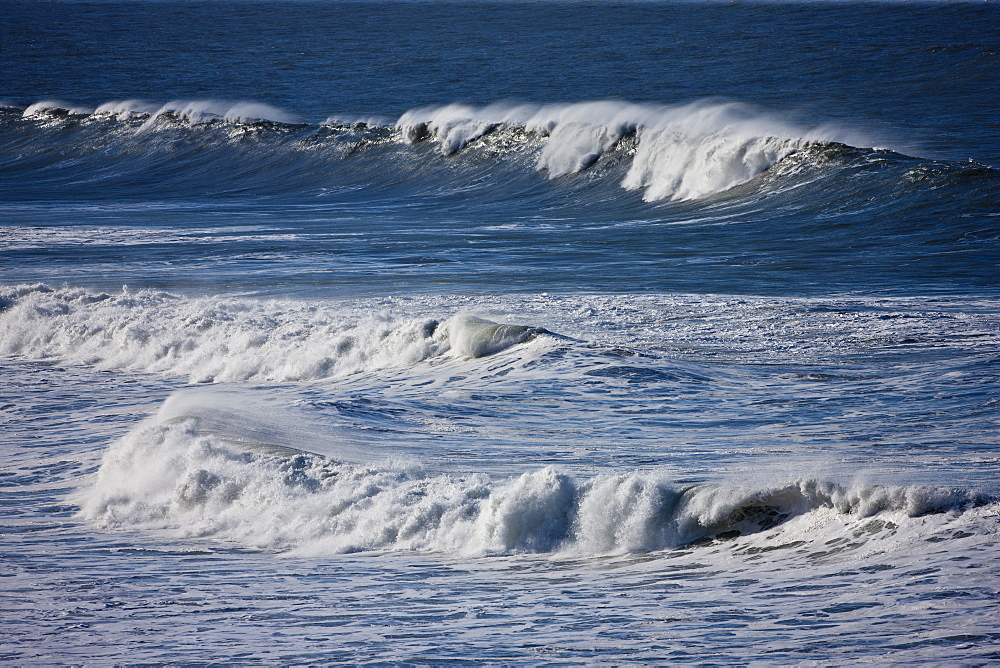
point(499, 332)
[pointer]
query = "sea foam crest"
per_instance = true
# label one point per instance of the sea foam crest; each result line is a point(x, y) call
point(49, 108)
point(672, 152)
point(231, 339)
point(199, 112)
point(123, 110)
point(178, 472)
point(682, 152)
point(192, 112)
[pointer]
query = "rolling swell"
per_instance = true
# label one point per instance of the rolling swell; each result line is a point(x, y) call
point(647, 191)
point(662, 153)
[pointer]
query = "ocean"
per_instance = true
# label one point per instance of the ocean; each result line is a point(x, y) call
point(504, 333)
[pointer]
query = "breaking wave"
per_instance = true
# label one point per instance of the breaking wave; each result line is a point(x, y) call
point(678, 152)
point(230, 339)
point(667, 152)
point(191, 112)
point(184, 471)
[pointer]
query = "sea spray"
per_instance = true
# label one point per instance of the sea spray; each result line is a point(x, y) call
point(193, 475)
point(682, 152)
point(672, 152)
point(199, 112)
point(231, 339)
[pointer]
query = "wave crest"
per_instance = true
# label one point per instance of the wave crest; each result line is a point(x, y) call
point(199, 112)
point(680, 153)
point(229, 339)
point(668, 152)
point(55, 109)
point(182, 472)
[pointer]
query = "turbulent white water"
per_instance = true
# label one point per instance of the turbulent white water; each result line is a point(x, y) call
point(398, 333)
point(238, 339)
point(681, 152)
point(205, 466)
point(299, 472)
point(211, 340)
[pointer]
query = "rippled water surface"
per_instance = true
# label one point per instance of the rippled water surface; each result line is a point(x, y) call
point(501, 333)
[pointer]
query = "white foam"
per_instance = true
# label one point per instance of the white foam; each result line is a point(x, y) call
point(230, 339)
point(683, 151)
point(198, 112)
point(186, 470)
point(123, 110)
point(193, 112)
point(44, 108)
point(454, 126)
point(672, 165)
point(355, 120)
point(252, 112)
point(579, 134)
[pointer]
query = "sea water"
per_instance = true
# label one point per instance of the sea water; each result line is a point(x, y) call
point(499, 332)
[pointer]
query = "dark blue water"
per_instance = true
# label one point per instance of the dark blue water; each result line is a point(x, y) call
point(922, 73)
point(503, 332)
point(915, 82)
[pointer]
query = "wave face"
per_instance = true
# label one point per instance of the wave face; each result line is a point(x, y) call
point(610, 183)
point(680, 152)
